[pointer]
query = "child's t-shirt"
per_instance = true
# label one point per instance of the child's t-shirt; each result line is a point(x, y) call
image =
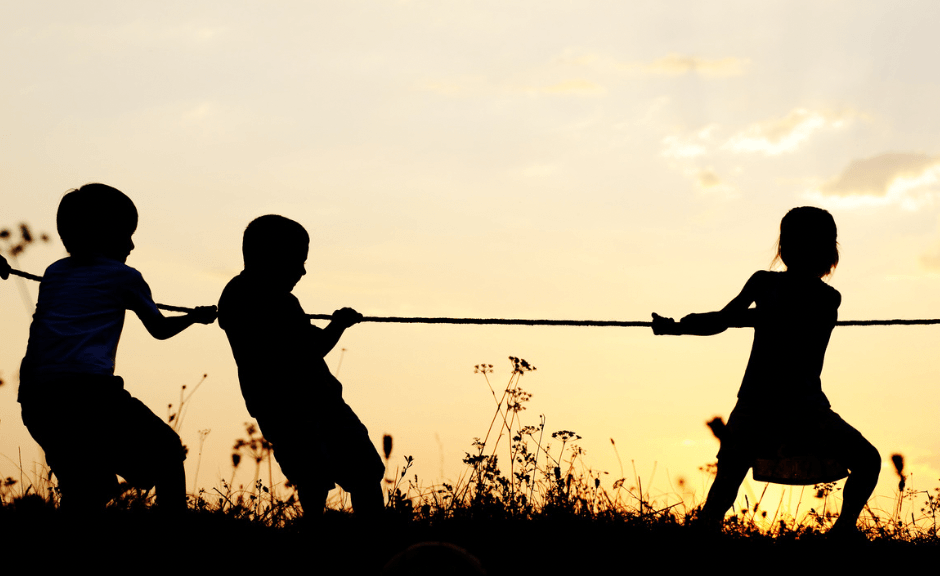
point(278, 352)
point(80, 315)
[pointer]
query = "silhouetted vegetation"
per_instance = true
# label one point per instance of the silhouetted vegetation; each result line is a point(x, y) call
point(527, 500)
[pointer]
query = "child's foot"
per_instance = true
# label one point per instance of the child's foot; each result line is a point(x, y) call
point(846, 533)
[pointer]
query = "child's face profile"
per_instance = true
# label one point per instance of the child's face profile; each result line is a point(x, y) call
point(120, 247)
point(289, 268)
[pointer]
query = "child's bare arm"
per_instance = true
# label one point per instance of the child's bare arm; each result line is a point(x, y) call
point(737, 314)
point(162, 327)
point(342, 319)
point(705, 324)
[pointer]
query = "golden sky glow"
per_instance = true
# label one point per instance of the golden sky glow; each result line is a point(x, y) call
point(539, 159)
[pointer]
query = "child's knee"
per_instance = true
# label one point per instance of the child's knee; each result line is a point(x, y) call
point(166, 450)
point(867, 461)
point(874, 459)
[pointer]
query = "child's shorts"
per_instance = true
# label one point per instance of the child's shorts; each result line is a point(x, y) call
point(321, 449)
point(91, 429)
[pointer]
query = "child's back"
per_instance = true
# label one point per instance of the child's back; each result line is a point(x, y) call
point(274, 346)
point(80, 316)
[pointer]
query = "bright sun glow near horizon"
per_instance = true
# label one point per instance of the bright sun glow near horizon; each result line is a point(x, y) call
point(532, 159)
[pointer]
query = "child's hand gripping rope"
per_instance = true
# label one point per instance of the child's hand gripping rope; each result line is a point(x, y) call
point(346, 317)
point(662, 325)
point(204, 314)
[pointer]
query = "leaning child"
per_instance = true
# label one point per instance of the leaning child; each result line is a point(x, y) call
point(89, 426)
point(781, 408)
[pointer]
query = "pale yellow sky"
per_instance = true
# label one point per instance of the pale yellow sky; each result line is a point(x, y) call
point(542, 159)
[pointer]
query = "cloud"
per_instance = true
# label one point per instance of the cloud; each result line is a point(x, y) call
point(688, 146)
point(910, 180)
point(931, 260)
point(710, 184)
point(570, 74)
point(780, 135)
point(678, 65)
point(478, 86)
point(575, 87)
point(670, 65)
point(708, 179)
point(465, 85)
point(876, 175)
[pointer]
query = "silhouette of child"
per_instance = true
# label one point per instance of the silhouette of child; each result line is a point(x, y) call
point(781, 405)
point(72, 403)
point(317, 439)
point(4, 268)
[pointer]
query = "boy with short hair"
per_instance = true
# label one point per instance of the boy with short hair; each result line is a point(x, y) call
point(72, 403)
point(288, 389)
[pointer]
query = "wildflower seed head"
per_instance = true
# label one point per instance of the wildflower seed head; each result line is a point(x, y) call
point(717, 426)
point(565, 435)
point(387, 445)
point(898, 462)
point(520, 366)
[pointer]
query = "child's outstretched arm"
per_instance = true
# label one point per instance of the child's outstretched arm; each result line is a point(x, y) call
point(162, 327)
point(737, 314)
point(342, 319)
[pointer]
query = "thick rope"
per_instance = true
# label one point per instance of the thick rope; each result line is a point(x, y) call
point(522, 321)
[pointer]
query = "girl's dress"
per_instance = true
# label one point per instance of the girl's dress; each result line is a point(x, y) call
point(782, 424)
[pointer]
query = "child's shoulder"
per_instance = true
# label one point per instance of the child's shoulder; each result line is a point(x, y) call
point(241, 287)
point(247, 296)
point(94, 268)
point(812, 288)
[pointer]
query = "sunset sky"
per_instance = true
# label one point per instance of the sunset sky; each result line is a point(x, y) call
point(527, 159)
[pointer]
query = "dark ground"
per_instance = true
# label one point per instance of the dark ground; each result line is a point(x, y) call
point(41, 538)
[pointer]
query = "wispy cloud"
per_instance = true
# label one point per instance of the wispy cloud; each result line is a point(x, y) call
point(479, 86)
point(910, 180)
point(689, 146)
point(781, 135)
point(574, 87)
point(669, 65)
point(771, 137)
point(586, 74)
point(679, 64)
point(710, 184)
point(931, 260)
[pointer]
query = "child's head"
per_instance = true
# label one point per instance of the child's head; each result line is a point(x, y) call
point(808, 241)
point(97, 220)
point(276, 246)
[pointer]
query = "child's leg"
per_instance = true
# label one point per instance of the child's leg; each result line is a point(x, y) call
point(738, 439)
point(356, 463)
point(312, 499)
point(724, 490)
point(59, 422)
point(368, 500)
point(864, 464)
point(171, 487)
point(299, 452)
point(147, 452)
